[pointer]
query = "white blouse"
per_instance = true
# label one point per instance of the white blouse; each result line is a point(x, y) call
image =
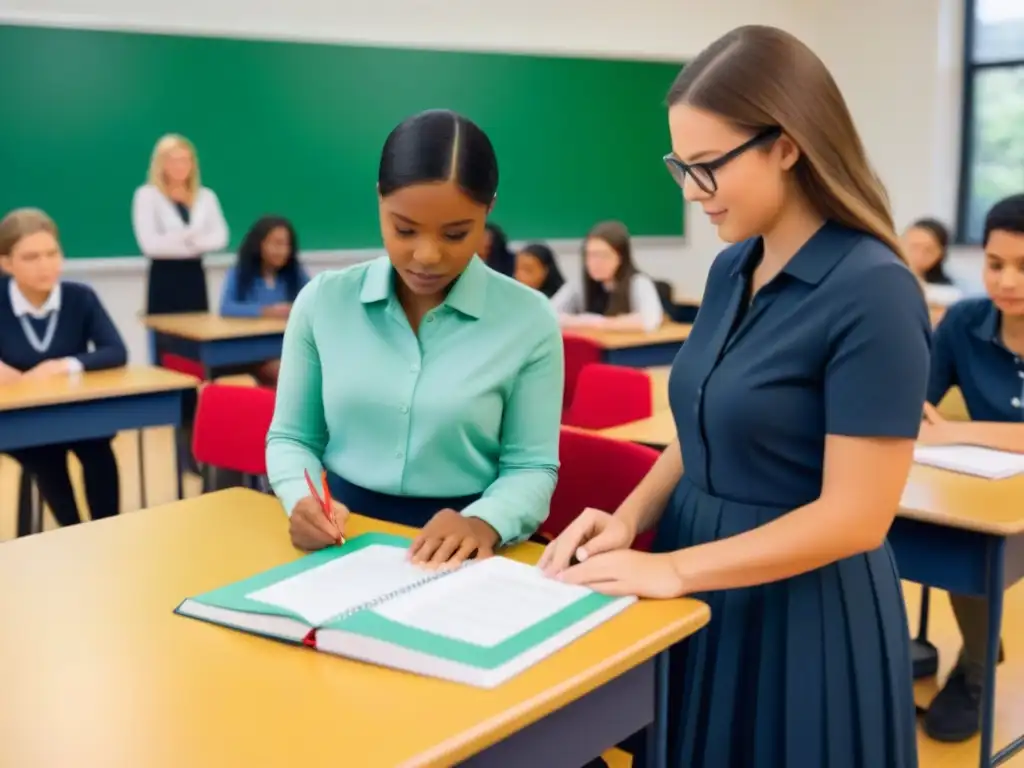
point(161, 234)
point(643, 300)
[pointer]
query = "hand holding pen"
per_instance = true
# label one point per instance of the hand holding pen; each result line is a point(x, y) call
point(317, 521)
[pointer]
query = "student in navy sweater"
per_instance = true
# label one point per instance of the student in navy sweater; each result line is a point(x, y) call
point(51, 328)
point(266, 279)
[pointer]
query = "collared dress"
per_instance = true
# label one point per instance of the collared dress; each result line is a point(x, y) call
point(812, 671)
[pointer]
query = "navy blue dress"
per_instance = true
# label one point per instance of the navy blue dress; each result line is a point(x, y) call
point(812, 671)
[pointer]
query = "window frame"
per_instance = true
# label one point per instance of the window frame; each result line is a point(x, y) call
point(971, 70)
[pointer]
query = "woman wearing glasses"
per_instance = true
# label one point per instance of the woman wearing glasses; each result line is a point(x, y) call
point(797, 399)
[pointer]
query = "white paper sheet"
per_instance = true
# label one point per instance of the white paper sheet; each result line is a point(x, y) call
point(323, 592)
point(484, 603)
point(971, 460)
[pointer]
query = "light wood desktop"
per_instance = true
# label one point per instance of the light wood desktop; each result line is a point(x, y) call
point(204, 326)
point(95, 385)
point(667, 333)
point(659, 386)
point(98, 671)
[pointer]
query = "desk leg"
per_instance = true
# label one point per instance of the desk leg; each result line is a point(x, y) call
point(996, 552)
point(178, 469)
point(657, 732)
point(143, 498)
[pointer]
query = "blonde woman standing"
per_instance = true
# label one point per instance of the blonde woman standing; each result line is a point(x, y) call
point(177, 220)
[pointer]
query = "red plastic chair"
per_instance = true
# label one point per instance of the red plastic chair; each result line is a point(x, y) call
point(609, 395)
point(579, 352)
point(184, 365)
point(231, 428)
point(596, 472)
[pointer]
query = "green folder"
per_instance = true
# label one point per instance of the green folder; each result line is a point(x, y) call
point(480, 624)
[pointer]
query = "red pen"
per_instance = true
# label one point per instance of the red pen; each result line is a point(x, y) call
point(325, 499)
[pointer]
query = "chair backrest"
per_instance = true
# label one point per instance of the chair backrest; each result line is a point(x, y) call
point(609, 395)
point(579, 352)
point(596, 472)
point(231, 427)
point(184, 365)
point(664, 289)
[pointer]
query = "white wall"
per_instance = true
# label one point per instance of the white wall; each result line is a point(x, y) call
point(895, 60)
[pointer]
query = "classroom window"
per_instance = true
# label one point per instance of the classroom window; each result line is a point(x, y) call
point(992, 164)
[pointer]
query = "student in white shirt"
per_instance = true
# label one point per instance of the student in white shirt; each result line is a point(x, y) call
point(613, 295)
point(177, 220)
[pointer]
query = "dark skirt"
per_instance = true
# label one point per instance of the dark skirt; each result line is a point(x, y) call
point(809, 671)
point(176, 285)
point(414, 511)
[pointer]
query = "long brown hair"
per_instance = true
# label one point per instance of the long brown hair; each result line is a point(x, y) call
point(615, 234)
point(758, 77)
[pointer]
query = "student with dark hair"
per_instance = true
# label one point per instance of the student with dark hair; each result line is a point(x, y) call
point(613, 294)
point(51, 328)
point(537, 267)
point(427, 384)
point(978, 347)
point(265, 281)
point(926, 245)
point(797, 399)
point(494, 250)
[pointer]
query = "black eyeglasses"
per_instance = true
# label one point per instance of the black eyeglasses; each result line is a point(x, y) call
point(703, 174)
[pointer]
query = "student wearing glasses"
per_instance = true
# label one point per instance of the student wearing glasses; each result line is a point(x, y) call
point(425, 382)
point(979, 347)
point(797, 399)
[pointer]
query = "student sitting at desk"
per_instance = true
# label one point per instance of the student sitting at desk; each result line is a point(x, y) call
point(52, 328)
point(978, 347)
point(266, 279)
point(494, 250)
point(613, 295)
point(427, 384)
point(537, 267)
point(926, 244)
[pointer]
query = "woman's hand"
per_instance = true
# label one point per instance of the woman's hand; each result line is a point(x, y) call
point(627, 572)
point(282, 309)
point(450, 538)
point(9, 375)
point(48, 369)
point(309, 527)
point(592, 533)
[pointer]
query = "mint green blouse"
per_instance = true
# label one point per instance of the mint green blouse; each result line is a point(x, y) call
point(470, 405)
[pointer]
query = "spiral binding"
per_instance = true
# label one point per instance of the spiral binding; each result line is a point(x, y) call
point(387, 597)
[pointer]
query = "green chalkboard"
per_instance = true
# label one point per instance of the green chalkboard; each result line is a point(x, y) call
point(296, 129)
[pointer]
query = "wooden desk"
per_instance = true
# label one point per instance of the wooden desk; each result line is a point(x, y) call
point(955, 532)
point(638, 349)
point(91, 405)
point(659, 386)
point(218, 342)
point(98, 671)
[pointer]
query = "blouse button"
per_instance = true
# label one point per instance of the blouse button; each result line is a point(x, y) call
point(430, 318)
point(1015, 402)
point(398, 454)
point(404, 409)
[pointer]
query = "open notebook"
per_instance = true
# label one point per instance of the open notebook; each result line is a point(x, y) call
point(971, 460)
point(480, 624)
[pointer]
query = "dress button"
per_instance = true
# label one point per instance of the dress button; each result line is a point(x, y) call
point(1015, 402)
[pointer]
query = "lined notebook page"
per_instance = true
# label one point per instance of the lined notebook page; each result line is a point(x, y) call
point(971, 460)
point(328, 590)
point(484, 603)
